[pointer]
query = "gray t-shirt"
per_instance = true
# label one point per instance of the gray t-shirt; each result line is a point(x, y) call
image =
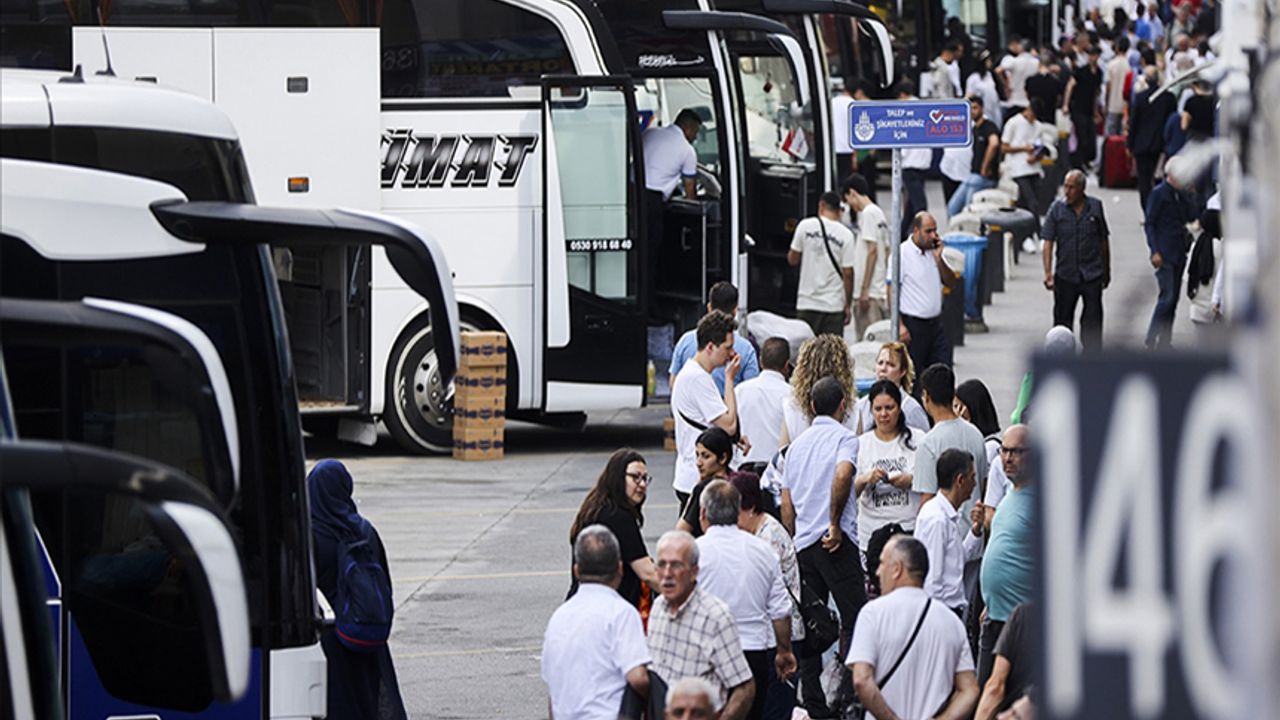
point(957, 433)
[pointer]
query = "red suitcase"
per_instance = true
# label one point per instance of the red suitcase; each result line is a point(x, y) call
point(1117, 164)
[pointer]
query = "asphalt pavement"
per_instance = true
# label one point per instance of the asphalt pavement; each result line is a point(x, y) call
point(479, 551)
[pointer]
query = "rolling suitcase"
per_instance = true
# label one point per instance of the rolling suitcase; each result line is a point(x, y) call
point(1117, 164)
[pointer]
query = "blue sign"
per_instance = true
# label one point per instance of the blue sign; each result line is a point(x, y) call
point(909, 124)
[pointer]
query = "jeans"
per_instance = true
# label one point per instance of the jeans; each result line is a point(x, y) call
point(1145, 165)
point(1066, 295)
point(759, 661)
point(986, 649)
point(1086, 140)
point(1169, 284)
point(913, 183)
point(1029, 193)
point(964, 194)
point(780, 700)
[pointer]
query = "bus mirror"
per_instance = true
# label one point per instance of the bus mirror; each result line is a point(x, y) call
point(790, 48)
point(148, 571)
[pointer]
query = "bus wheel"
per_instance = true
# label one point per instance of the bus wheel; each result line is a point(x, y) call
point(418, 411)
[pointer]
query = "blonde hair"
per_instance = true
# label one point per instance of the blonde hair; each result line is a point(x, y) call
point(819, 357)
point(904, 362)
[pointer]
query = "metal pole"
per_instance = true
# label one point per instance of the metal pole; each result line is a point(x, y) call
point(895, 229)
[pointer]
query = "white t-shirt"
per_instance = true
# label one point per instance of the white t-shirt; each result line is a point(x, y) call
point(873, 229)
point(921, 283)
point(882, 503)
point(695, 396)
point(668, 159)
point(821, 288)
point(760, 412)
point(926, 677)
point(1017, 69)
point(1020, 132)
point(592, 641)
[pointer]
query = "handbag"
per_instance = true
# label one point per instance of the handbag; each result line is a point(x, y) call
point(821, 624)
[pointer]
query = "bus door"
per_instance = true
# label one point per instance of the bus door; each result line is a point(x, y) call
point(594, 285)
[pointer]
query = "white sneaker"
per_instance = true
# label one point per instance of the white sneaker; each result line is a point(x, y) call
point(1030, 246)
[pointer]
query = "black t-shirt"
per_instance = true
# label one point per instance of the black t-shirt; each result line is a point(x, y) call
point(1014, 645)
point(693, 508)
point(1084, 98)
point(1049, 89)
point(1200, 108)
point(624, 527)
point(983, 133)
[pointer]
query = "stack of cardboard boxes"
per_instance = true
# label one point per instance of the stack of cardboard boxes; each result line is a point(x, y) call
point(480, 397)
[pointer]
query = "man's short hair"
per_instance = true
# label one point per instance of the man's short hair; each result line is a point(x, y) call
point(596, 553)
point(688, 115)
point(976, 100)
point(826, 396)
point(858, 184)
point(1094, 49)
point(917, 221)
point(952, 46)
point(913, 554)
point(775, 353)
point(830, 200)
point(723, 296)
point(1076, 174)
point(951, 464)
point(1122, 43)
point(721, 502)
point(694, 686)
point(905, 87)
point(683, 536)
point(714, 327)
point(1037, 106)
point(940, 382)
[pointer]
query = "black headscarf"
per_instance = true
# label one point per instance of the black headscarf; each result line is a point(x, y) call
point(333, 512)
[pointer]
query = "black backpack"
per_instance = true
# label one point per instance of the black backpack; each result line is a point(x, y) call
point(364, 605)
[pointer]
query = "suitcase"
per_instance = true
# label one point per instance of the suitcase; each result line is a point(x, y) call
point(1117, 164)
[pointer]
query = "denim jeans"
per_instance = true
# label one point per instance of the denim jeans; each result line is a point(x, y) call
point(964, 194)
point(1169, 284)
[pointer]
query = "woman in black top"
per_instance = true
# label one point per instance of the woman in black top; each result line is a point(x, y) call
point(615, 502)
point(714, 451)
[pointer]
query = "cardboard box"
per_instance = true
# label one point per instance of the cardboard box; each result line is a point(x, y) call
point(483, 349)
point(480, 412)
point(478, 443)
point(479, 384)
point(669, 434)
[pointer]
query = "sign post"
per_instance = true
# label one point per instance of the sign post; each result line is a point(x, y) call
point(905, 124)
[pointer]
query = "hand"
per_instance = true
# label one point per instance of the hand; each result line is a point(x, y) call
point(848, 314)
point(1156, 261)
point(978, 516)
point(902, 481)
point(831, 541)
point(744, 444)
point(864, 303)
point(785, 663)
point(904, 335)
point(937, 251)
point(731, 368)
point(1048, 281)
point(879, 475)
point(1106, 279)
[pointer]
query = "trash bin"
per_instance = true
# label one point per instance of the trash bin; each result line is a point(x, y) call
point(1014, 220)
point(953, 314)
point(972, 246)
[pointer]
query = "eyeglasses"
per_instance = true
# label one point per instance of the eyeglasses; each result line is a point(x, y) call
point(1014, 451)
point(641, 478)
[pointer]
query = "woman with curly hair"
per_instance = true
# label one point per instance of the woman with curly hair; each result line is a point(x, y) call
point(893, 364)
point(615, 502)
point(819, 357)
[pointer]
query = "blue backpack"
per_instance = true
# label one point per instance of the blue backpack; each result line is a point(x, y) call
point(364, 606)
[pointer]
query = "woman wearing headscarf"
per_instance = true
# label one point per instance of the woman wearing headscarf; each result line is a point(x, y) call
point(361, 685)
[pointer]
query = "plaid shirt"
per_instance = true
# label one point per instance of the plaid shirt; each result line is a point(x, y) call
point(701, 640)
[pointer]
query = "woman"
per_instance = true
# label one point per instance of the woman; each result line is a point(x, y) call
point(360, 684)
point(819, 357)
point(894, 364)
point(781, 700)
point(887, 459)
point(982, 83)
point(615, 502)
point(713, 451)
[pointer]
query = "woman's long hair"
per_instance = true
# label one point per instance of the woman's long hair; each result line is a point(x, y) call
point(982, 411)
point(819, 357)
point(610, 492)
point(887, 387)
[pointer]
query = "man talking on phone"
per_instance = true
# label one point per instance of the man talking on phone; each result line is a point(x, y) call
point(924, 273)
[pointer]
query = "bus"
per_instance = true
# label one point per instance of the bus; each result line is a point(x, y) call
point(121, 191)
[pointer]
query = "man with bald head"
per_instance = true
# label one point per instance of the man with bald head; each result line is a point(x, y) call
point(1076, 228)
point(920, 304)
point(1009, 559)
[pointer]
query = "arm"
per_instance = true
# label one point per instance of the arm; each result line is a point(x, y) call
point(1104, 247)
point(841, 486)
point(739, 702)
point(1066, 95)
point(645, 570)
point(870, 477)
point(682, 524)
point(930, 534)
point(638, 679)
point(793, 258)
point(785, 660)
point(873, 251)
point(944, 271)
point(993, 693)
point(864, 683)
point(989, 160)
point(788, 512)
point(1048, 259)
point(961, 704)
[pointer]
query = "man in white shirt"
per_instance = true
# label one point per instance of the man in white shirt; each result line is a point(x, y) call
point(1117, 70)
point(920, 306)
point(870, 256)
point(594, 646)
point(950, 539)
point(1013, 71)
point(1023, 148)
point(943, 78)
point(823, 248)
point(670, 163)
point(895, 676)
point(743, 571)
point(695, 402)
point(760, 400)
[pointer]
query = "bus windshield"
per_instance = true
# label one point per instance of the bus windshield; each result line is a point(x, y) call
point(774, 131)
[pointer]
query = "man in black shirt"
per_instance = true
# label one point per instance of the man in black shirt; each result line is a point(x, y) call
point(1077, 226)
point(986, 159)
point(1081, 102)
point(1046, 86)
point(1014, 668)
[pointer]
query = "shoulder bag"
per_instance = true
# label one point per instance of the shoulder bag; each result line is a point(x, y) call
point(826, 243)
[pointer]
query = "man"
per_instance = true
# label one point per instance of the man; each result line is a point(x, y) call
point(915, 170)
point(743, 571)
point(695, 402)
point(1023, 145)
point(691, 698)
point(935, 676)
point(1168, 212)
point(951, 540)
point(1009, 559)
point(594, 646)
point(823, 248)
point(1077, 226)
point(1012, 673)
point(820, 511)
point(1146, 130)
point(943, 77)
point(924, 272)
point(938, 385)
point(722, 296)
point(760, 400)
point(1046, 87)
point(1117, 71)
point(1080, 101)
point(870, 255)
point(1013, 71)
point(692, 633)
point(670, 163)
point(985, 162)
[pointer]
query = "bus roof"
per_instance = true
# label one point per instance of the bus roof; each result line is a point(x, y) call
point(42, 98)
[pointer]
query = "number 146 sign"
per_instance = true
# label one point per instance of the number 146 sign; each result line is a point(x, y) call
point(1153, 539)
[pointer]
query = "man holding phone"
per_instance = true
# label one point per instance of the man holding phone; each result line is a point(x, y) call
point(924, 273)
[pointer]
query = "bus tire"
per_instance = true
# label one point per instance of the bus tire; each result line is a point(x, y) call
point(418, 409)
